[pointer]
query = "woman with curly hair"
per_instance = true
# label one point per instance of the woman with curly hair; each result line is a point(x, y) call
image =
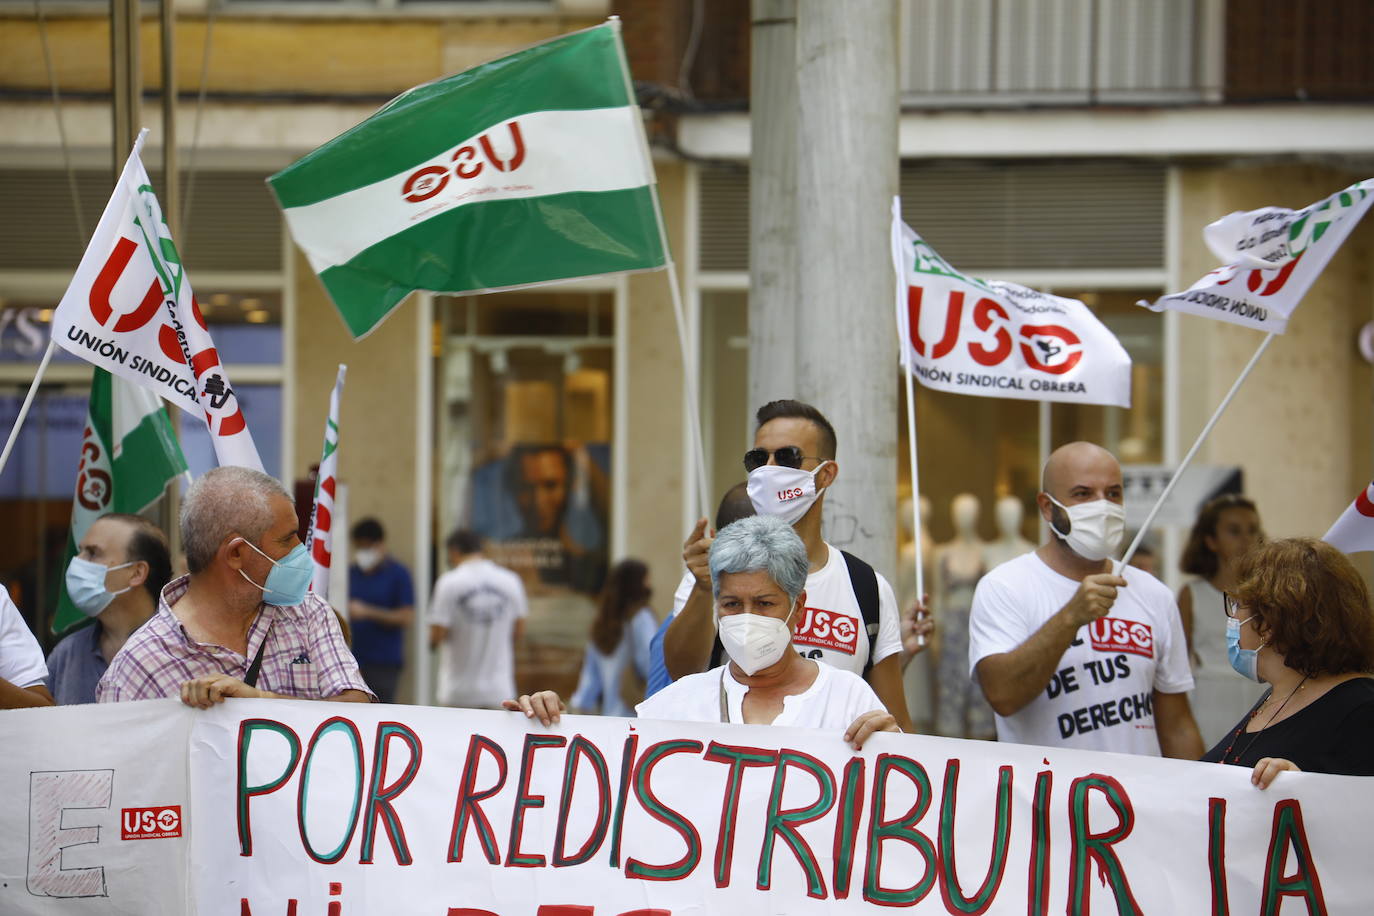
point(1226, 529)
point(1300, 620)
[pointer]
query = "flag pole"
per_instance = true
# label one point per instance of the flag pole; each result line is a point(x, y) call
point(689, 380)
point(1206, 430)
point(28, 402)
point(904, 330)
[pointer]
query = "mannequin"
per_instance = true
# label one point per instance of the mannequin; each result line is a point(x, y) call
point(961, 710)
point(1009, 544)
point(919, 675)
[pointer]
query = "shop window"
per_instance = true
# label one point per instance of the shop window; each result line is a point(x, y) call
point(524, 430)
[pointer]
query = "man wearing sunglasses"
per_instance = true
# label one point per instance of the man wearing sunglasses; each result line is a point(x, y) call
point(851, 619)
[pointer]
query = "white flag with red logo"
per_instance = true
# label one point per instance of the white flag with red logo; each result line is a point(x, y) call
point(1272, 256)
point(326, 485)
point(130, 311)
point(998, 339)
point(1354, 530)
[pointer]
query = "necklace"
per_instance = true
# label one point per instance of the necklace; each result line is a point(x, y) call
point(1240, 729)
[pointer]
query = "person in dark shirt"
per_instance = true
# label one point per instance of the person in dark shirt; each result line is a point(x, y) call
point(1300, 620)
point(116, 577)
point(381, 604)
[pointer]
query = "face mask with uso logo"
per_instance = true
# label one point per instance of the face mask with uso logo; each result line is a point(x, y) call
point(786, 493)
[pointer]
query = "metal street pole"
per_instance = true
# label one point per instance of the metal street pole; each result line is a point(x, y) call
point(847, 162)
point(773, 202)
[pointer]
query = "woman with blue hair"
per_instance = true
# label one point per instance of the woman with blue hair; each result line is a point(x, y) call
point(758, 576)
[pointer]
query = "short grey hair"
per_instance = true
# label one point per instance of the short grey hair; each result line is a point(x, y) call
point(222, 502)
point(762, 542)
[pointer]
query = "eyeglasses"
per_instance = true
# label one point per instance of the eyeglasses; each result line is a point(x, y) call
point(789, 456)
point(1230, 605)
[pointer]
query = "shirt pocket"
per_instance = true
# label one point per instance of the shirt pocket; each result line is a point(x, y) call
point(304, 676)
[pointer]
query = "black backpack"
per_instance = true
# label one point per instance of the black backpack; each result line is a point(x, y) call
point(864, 581)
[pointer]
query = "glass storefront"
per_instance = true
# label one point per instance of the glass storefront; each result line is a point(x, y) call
point(525, 393)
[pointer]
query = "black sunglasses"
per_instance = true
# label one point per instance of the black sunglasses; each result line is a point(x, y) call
point(789, 456)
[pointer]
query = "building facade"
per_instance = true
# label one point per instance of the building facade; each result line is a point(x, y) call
point(1076, 146)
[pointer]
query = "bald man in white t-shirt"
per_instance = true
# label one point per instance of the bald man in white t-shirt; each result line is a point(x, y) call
point(1070, 653)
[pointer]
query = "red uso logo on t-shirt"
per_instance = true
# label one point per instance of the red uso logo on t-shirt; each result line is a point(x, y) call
point(1112, 634)
point(827, 630)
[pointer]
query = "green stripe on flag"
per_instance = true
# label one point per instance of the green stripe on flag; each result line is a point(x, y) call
point(430, 119)
point(127, 461)
point(560, 236)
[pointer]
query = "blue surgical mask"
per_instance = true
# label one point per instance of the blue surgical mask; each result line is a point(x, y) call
point(1245, 661)
point(86, 585)
point(289, 579)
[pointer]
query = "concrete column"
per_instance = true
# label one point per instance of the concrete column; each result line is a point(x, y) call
point(846, 176)
point(772, 203)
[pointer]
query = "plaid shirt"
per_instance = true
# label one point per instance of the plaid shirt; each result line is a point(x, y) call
point(306, 655)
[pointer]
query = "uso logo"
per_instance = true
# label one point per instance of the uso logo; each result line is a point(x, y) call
point(1111, 634)
point(827, 630)
point(150, 823)
point(467, 163)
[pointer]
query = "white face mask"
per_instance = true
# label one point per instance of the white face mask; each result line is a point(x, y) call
point(367, 558)
point(754, 641)
point(1095, 528)
point(784, 492)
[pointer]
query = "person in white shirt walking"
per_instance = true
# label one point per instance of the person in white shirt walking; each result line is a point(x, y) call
point(477, 619)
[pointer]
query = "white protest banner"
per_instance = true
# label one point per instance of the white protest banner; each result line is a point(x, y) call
point(96, 812)
point(470, 813)
point(1272, 257)
point(130, 310)
point(344, 809)
point(998, 339)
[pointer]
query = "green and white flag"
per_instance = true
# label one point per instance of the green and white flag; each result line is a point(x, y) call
point(128, 456)
point(528, 169)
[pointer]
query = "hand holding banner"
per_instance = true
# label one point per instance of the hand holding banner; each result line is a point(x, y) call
point(130, 310)
point(998, 339)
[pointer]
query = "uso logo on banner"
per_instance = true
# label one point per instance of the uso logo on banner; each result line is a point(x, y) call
point(1112, 634)
point(828, 630)
point(156, 823)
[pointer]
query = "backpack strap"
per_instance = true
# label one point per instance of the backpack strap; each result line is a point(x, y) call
point(864, 580)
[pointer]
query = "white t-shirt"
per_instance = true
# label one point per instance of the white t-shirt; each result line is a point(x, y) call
point(832, 627)
point(479, 602)
point(21, 658)
point(833, 701)
point(1101, 695)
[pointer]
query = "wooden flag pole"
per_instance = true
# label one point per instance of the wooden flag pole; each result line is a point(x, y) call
point(1182, 465)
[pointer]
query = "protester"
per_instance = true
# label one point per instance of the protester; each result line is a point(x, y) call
point(120, 569)
point(242, 623)
point(851, 619)
point(1299, 619)
point(1069, 653)
point(734, 505)
point(1226, 529)
point(619, 646)
point(477, 619)
point(22, 671)
point(758, 569)
point(381, 604)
